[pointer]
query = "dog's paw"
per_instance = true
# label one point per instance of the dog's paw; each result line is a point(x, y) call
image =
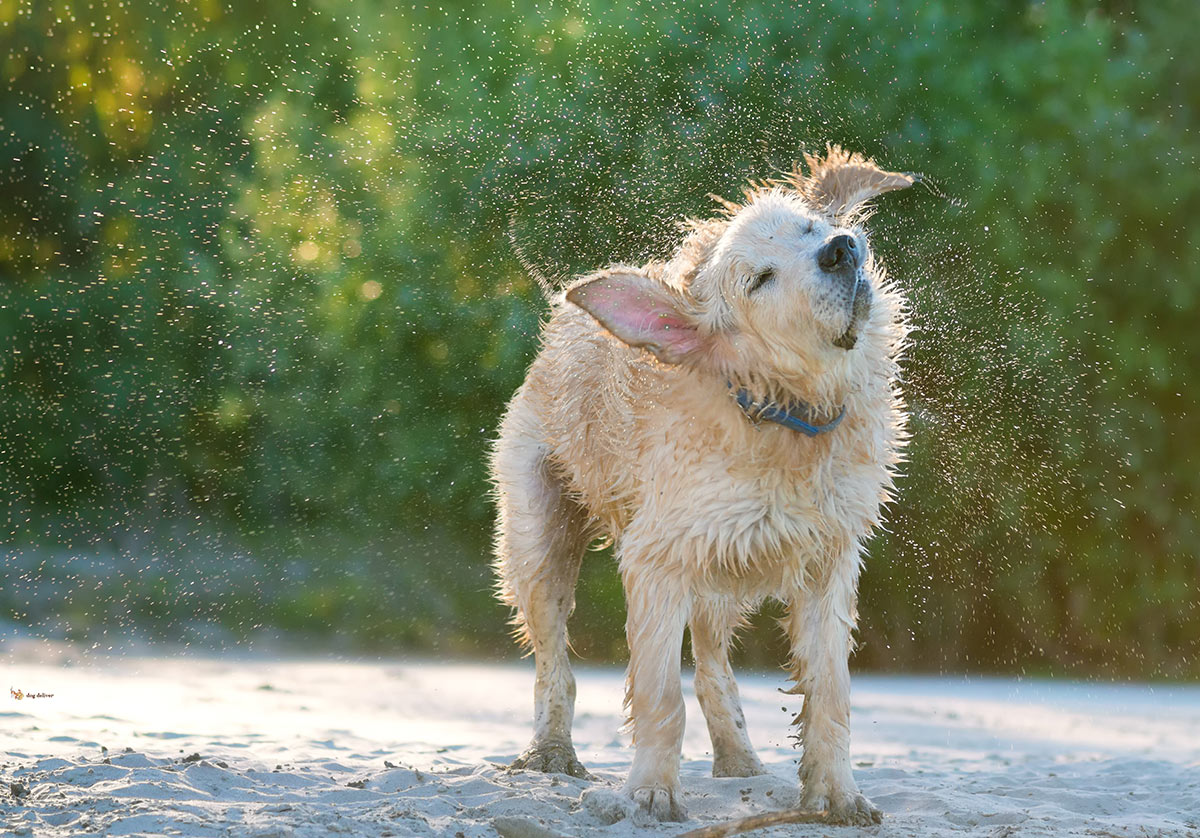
point(741, 765)
point(658, 803)
point(854, 809)
point(551, 758)
point(851, 809)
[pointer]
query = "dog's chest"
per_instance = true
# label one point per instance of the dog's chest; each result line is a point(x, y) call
point(763, 509)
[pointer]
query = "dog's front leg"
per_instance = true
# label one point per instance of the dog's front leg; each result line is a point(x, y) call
point(820, 623)
point(657, 605)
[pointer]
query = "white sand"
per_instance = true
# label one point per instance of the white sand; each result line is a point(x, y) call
point(282, 746)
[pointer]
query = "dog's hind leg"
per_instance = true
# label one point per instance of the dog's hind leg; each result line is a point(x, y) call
point(712, 624)
point(540, 541)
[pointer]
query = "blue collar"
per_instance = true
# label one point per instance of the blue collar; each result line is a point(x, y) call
point(785, 414)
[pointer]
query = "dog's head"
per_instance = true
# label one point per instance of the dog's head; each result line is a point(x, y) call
point(782, 288)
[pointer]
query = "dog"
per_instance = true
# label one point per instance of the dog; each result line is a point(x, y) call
point(731, 418)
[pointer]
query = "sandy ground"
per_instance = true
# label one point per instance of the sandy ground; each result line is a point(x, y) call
point(204, 747)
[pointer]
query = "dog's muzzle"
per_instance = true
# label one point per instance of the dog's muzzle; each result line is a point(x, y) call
point(841, 259)
point(860, 309)
point(840, 255)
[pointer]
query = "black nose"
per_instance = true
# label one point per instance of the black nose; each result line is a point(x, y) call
point(841, 253)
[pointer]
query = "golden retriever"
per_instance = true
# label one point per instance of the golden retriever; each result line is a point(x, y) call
point(731, 418)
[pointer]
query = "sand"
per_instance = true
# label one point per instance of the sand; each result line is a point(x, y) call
point(258, 748)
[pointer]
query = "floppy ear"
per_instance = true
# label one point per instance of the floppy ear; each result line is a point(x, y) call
point(841, 181)
point(643, 312)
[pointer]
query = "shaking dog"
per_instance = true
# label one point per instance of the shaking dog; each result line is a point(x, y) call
point(731, 419)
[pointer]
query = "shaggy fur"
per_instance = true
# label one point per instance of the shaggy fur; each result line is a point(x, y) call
point(625, 427)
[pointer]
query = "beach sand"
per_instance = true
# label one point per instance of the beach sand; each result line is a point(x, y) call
point(202, 746)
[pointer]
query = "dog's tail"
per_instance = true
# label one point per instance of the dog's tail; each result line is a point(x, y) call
point(549, 288)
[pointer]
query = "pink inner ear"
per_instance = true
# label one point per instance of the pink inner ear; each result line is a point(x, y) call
point(641, 312)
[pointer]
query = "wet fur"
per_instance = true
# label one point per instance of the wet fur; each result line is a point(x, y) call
point(630, 432)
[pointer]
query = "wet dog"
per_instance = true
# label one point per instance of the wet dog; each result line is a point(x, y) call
point(731, 419)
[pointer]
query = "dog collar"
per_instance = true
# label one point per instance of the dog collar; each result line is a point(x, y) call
point(785, 415)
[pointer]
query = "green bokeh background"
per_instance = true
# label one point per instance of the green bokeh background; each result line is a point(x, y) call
point(260, 307)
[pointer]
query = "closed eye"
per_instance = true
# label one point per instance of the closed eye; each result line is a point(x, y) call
point(759, 280)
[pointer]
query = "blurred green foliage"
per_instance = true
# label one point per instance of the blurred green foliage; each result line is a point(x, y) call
point(260, 310)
